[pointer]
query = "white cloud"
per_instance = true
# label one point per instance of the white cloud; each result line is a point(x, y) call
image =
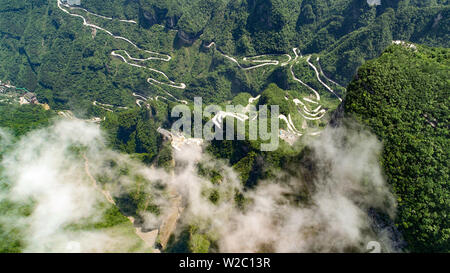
point(347, 182)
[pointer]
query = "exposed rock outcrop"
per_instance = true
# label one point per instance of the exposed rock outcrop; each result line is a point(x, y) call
point(187, 38)
point(154, 15)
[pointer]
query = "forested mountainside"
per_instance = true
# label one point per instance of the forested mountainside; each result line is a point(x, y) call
point(125, 64)
point(346, 32)
point(69, 65)
point(403, 97)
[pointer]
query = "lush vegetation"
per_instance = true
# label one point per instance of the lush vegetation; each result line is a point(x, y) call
point(346, 31)
point(190, 241)
point(403, 97)
point(70, 66)
point(22, 119)
point(134, 131)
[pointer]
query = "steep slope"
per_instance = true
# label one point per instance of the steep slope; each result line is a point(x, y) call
point(403, 96)
point(69, 65)
point(346, 31)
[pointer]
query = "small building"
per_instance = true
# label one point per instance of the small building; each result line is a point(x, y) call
point(30, 98)
point(73, 2)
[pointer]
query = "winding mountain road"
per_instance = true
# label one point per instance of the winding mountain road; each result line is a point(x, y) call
point(304, 110)
point(157, 56)
point(318, 78)
point(258, 61)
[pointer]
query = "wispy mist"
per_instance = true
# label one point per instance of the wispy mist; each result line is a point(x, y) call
point(44, 170)
point(48, 167)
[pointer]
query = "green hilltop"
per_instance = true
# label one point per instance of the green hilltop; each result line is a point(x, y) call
point(403, 97)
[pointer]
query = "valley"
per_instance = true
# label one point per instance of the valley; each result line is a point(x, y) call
point(88, 162)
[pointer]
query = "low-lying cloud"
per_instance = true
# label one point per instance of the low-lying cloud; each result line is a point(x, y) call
point(44, 171)
point(48, 167)
point(348, 182)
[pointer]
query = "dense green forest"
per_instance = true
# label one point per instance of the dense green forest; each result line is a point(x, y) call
point(403, 97)
point(15, 123)
point(22, 119)
point(69, 66)
point(347, 32)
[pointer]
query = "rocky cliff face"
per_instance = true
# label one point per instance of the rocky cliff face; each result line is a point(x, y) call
point(264, 16)
point(338, 115)
point(187, 38)
point(149, 16)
